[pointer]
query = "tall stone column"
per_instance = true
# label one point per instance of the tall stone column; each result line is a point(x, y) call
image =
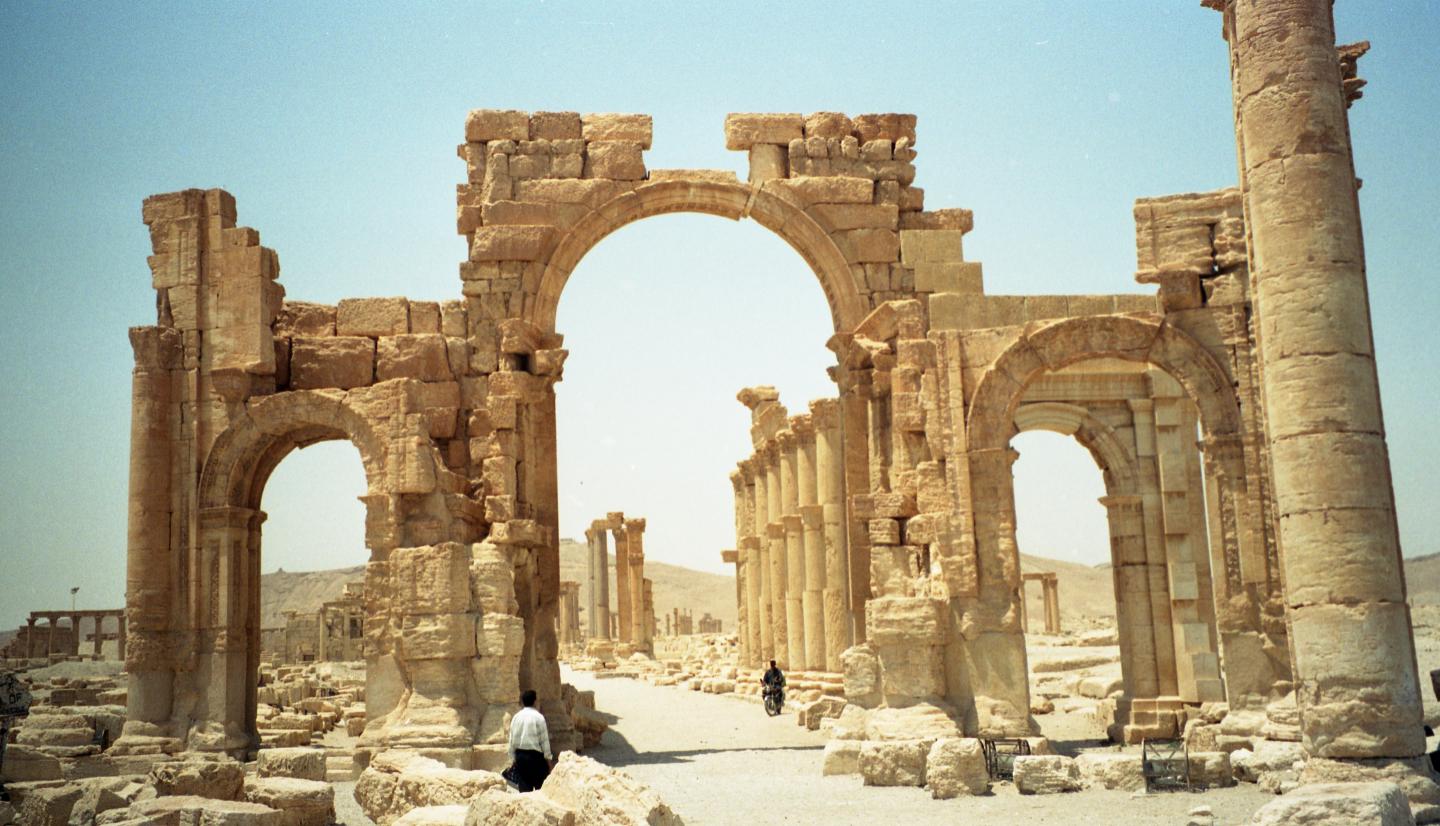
point(1052, 604)
point(775, 545)
point(1157, 568)
point(1350, 629)
point(812, 519)
point(30, 638)
point(602, 581)
point(1134, 626)
point(640, 621)
point(743, 521)
point(149, 565)
point(50, 637)
point(830, 493)
point(622, 586)
point(761, 554)
point(648, 621)
point(794, 548)
point(591, 588)
point(120, 637)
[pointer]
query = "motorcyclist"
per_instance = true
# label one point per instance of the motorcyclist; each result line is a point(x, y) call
point(774, 681)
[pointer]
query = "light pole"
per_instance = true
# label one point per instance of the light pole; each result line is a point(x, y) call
point(73, 592)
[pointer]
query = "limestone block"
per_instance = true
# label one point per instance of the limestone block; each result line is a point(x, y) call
point(498, 807)
point(413, 356)
point(221, 780)
point(599, 794)
point(483, 125)
point(300, 802)
point(828, 125)
point(767, 162)
point(1110, 770)
point(893, 762)
point(617, 127)
point(931, 246)
point(509, 243)
point(955, 766)
point(839, 217)
point(888, 126)
point(957, 277)
point(745, 130)
point(372, 317)
point(869, 245)
point(199, 811)
point(1211, 769)
point(431, 579)
point(615, 160)
point(27, 763)
point(332, 362)
point(49, 806)
point(862, 675)
point(438, 636)
point(305, 764)
point(1375, 803)
point(806, 190)
point(1046, 774)
point(302, 318)
point(554, 126)
point(812, 713)
point(103, 794)
point(841, 757)
point(1413, 775)
point(434, 816)
point(1267, 756)
point(500, 635)
point(956, 219)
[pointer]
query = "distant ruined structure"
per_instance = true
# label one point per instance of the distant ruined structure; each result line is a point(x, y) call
point(890, 551)
point(335, 632)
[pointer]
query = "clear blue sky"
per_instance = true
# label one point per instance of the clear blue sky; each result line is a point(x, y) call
point(335, 124)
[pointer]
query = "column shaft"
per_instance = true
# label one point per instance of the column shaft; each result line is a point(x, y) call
point(830, 493)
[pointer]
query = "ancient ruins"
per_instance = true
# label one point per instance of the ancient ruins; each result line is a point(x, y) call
point(1234, 413)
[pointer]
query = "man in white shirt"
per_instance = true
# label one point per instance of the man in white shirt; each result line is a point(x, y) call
point(529, 745)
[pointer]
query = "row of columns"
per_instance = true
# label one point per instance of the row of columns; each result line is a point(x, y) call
point(73, 649)
point(634, 594)
point(791, 556)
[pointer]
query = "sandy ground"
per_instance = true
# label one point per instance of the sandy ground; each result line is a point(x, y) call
point(717, 759)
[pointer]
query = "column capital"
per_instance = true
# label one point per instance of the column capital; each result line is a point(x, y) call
point(731, 557)
point(1122, 502)
point(825, 414)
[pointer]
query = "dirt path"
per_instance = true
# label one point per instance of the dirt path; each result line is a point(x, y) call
point(717, 759)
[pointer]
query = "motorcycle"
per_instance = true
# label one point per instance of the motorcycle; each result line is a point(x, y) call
point(774, 701)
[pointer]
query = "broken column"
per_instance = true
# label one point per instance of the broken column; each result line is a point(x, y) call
point(1350, 629)
point(640, 620)
point(623, 604)
point(599, 618)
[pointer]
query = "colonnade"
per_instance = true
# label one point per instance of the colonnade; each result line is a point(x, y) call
point(33, 647)
point(634, 623)
point(1050, 593)
point(792, 555)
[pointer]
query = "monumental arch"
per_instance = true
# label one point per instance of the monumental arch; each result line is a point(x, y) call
point(452, 408)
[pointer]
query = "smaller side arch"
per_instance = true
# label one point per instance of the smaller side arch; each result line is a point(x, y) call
point(991, 419)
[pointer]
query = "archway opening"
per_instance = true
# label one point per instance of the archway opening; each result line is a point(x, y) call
point(666, 320)
point(311, 589)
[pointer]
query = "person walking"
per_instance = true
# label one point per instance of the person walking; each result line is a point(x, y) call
point(529, 746)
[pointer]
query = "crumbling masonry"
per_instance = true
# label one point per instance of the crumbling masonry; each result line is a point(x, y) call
point(1261, 320)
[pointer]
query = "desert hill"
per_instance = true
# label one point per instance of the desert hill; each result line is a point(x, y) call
point(1087, 594)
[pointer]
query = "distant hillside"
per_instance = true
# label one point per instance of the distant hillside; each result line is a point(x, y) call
point(1422, 579)
point(302, 591)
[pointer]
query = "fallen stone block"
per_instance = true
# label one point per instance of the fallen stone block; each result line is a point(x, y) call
point(955, 766)
point(300, 802)
point(1211, 769)
point(1111, 771)
point(190, 810)
point(434, 816)
point(893, 762)
point(397, 781)
point(1376, 804)
point(302, 763)
point(498, 807)
point(841, 757)
point(1046, 774)
point(215, 779)
point(599, 794)
point(49, 807)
